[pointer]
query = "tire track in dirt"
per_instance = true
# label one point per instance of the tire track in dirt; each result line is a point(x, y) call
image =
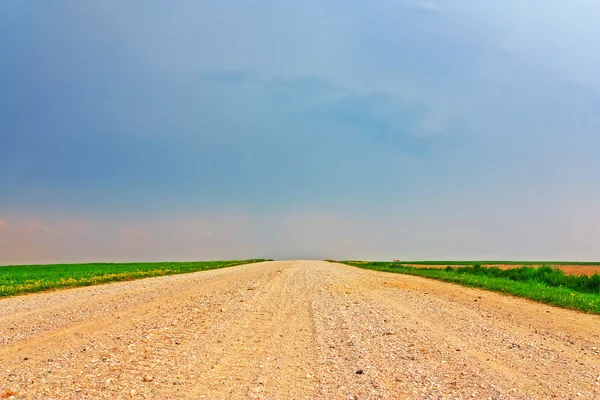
point(261, 344)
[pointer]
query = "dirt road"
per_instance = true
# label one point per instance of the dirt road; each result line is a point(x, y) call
point(293, 330)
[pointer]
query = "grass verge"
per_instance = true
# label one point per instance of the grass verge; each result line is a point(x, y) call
point(19, 279)
point(545, 284)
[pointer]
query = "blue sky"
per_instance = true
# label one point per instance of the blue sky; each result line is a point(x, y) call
point(341, 129)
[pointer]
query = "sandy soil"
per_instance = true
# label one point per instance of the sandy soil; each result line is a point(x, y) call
point(568, 269)
point(293, 330)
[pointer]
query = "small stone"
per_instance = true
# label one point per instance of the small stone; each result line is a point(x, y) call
point(359, 372)
point(132, 393)
point(148, 378)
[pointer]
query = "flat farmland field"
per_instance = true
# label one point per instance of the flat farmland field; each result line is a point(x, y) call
point(569, 268)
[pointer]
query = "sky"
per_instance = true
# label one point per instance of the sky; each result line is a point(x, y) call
point(355, 129)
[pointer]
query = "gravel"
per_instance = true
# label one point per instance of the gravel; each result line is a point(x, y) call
point(293, 329)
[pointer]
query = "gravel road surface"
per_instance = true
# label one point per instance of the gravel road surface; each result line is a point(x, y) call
point(293, 330)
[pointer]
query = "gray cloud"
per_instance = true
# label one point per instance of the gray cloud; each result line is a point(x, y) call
point(457, 129)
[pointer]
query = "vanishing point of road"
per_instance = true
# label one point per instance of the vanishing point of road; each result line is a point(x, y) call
point(293, 330)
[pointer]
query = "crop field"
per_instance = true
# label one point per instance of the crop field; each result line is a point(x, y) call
point(544, 283)
point(512, 263)
point(19, 279)
point(568, 267)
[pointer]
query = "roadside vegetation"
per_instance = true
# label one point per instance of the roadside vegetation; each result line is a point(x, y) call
point(544, 284)
point(484, 263)
point(19, 279)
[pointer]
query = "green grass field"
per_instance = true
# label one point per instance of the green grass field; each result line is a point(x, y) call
point(18, 279)
point(545, 284)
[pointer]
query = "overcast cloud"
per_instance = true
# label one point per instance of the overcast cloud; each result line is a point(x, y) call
point(146, 130)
